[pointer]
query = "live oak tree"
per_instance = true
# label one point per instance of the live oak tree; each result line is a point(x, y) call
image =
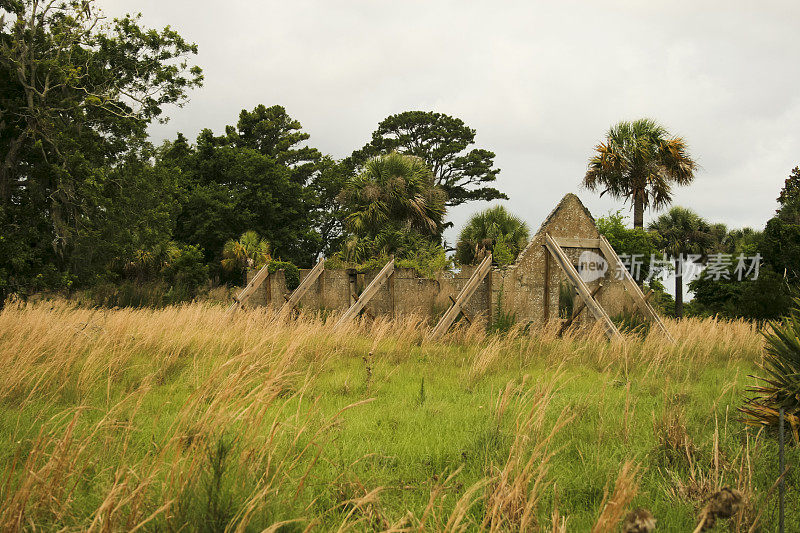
point(639, 162)
point(78, 92)
point(443, 142)
point(258, 177)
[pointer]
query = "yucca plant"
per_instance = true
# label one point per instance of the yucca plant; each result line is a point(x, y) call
point(780, 387)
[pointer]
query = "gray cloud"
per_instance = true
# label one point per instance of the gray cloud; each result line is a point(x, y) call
point(540, 81)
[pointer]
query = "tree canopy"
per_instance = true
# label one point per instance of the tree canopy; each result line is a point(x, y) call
point(78, 92)
point(443, 142)
point(638, 162)
point(255, 177)
point(493, 230)
point(391, 206)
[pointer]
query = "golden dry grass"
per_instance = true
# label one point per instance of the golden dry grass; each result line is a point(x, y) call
point(159, 419)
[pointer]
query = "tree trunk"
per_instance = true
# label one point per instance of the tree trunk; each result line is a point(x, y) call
point(638, 210)
point(6, 167)
point(679, 286)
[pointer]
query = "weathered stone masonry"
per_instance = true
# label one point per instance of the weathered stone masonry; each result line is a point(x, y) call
point(528, 289)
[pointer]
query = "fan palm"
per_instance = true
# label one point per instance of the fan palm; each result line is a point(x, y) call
point(682, 232)
point(249, 251)
point(146, 264)
point(488, 229)
point(394, 193)
point(639, 162)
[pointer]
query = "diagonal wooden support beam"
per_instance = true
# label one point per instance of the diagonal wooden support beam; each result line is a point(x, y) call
point(463, 297)
point(247, 292)
point(572, 275)
point(632, 287)
point(463, 312)
point(576, 312)
point(368, 293)
point(293, 299)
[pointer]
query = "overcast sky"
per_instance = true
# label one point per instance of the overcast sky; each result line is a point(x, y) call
point(541, 82)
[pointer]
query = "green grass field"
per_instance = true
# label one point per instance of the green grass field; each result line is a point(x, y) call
point(181, 419)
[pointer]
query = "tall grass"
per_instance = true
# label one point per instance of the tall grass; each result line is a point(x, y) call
point(182, 418)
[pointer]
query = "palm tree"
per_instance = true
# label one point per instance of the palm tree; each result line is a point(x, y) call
point(639, 162)
point(250, 251)
point(394, 196)
point(146, 264)
point(682, 232)
point(493, 228)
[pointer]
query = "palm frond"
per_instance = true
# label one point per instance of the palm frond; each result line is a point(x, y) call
point(639, 159)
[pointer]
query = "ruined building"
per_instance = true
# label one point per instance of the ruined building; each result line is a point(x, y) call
point(537, 288)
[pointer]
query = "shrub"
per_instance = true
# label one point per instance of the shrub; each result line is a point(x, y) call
point(290, 272)
point(493, 229)
point(186, 269)
point(628, 241)
point(426, 258)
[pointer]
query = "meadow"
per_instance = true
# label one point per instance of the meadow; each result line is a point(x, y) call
point(183, 419)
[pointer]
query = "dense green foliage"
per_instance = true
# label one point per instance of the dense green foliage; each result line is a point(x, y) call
point(769, 296)
point(629, 242)
point(165, 274)
point(493, 230)
point(77, 189)
point(443, 143)
point(84, 196)
point(255, 177)
point(290, 271)
point(637, 248)
point(789, 198)
point(86, 201)
point(392, 207)
point(682, 232)
point(639, 162)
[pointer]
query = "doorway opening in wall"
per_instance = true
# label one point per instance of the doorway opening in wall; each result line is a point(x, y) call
point(566, 299)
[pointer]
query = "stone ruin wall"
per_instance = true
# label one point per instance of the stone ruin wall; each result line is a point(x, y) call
point(528, 290)
point(404, 293)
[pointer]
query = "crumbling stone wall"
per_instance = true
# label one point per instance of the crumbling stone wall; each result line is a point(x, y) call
point(404, 293)
point(528, 289)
